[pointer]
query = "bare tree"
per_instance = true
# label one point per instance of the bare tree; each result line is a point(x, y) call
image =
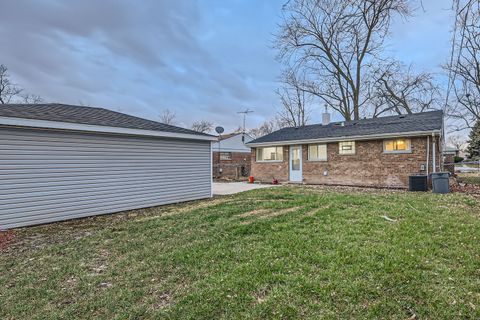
point(464, 67)
point(397, 89)
point(8, 89)
point(294, 110)
point(168, 117)
point(456, 141)
point(265, 128)
point(11, 92)
point(30, 98)
point(337, 43)
point(202, 126)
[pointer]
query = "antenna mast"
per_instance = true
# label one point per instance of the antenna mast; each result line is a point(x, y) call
point(245, 113)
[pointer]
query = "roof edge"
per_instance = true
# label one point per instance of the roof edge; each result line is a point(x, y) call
point(47, 124)
point(346, 138)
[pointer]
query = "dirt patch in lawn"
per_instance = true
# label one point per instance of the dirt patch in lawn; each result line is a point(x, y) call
point(6, 238)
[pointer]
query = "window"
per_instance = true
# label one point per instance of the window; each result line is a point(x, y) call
point(397, 146)
point(270, 154)
point(317, 152)
point(346, 147)
point(225, 156)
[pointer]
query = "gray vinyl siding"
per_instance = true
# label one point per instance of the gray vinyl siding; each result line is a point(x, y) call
point(48, 176)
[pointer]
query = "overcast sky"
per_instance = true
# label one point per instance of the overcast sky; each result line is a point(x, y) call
point(202, 59)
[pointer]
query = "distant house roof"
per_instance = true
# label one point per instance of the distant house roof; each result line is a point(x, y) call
point(450, 149)
point(233, 142)
point(90, 116)
point(419, 123)
point(230, 135)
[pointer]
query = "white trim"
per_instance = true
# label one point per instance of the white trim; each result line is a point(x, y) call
point(229, 158)
point(295, 176)
point(351, 152)
point(269, 161)
point(397, 152)
point(21, 122)
point(345, 138)
point(434, 151)
point(408, 142)
point(428, 155)
point(211, 169)
point(234, 151)
point(317, 159)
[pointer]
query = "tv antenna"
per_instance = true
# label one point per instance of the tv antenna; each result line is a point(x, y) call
point(245, 113)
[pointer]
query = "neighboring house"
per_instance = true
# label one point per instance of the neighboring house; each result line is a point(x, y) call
point(59, 162)
point(449, 154)
point(231, 158)
point(380, 152)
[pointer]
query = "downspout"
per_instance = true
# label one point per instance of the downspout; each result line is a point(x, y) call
point(434, 165)
point(211, 169)
point(428, 154)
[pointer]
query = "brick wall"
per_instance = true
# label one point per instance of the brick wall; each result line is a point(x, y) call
point(231, 169)
point(266, 171)
point(370, 166)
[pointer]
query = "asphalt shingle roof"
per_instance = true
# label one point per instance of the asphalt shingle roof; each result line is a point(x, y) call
point(418, 122)
point(86, 115)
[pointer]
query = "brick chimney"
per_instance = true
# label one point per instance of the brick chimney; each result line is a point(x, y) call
point(325, 117)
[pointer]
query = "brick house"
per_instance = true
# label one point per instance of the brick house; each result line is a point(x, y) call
point(379, 152)
point(231, 157)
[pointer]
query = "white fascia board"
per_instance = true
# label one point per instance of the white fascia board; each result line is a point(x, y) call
point(346, 138)
point(46, 124)
point(215, 149)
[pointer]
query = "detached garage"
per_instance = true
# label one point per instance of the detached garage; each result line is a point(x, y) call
point(59, 162)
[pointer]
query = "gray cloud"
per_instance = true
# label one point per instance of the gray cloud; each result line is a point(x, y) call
point(204, 59)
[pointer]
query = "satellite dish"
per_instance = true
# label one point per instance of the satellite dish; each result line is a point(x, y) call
point(219, 130)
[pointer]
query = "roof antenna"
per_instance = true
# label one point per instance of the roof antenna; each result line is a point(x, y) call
point(245, 113)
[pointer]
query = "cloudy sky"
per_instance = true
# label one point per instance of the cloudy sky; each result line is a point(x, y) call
point(204, 59)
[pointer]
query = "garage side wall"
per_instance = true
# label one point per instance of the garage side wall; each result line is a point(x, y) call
point(48, 176)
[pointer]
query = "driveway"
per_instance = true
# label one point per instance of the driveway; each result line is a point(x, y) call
point(224, 188)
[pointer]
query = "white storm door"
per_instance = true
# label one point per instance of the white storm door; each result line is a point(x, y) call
point(296, 163)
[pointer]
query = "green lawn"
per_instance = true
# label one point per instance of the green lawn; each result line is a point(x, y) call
point(287, 252)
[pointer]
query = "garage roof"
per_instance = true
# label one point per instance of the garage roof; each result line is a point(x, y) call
point(411, 124)
point(98, 118)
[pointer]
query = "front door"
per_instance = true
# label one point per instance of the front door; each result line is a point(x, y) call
point(296, 163)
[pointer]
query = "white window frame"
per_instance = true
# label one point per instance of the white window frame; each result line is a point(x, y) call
point(408, 142)
point(346, 152)
point(317, 145)
point(279, 151)
point(224, 153)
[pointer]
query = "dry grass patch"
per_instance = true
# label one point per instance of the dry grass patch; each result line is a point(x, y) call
point(276, 213)
point(329, 254)
point(256, 212)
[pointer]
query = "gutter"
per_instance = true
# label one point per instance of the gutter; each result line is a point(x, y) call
point(346, 138)
point(46, 124)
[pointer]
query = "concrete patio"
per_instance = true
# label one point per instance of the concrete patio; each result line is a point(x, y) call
point(225, 188)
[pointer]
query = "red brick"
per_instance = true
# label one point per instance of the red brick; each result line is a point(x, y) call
point(370, 166)
point(231, 168)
